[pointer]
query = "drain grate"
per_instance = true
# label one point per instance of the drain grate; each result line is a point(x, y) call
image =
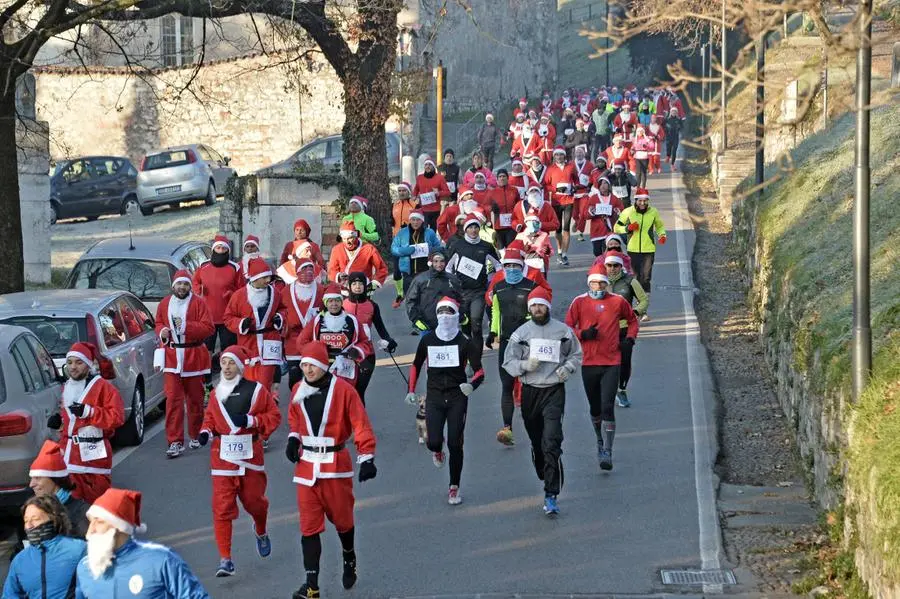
point(697, 577)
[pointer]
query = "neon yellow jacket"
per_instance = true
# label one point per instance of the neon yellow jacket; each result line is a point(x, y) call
point(641, 241)
point(365, 224)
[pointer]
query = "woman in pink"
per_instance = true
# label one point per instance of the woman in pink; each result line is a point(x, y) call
point(641, 148)
point(537, 244)
point(614, 245)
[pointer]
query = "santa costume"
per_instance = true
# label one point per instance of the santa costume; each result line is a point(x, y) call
point(247, 254)
point(302, 249)
point(352, 254)
point(657, 133)
point(215, 281)
point(430, 189)
point(92, 410)
point(303, 300)
point(560, 180)
point(534, 201)
point(602, 212)
point(536, 244)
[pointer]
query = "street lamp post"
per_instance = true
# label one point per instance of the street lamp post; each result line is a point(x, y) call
point(724, 90)
point(607, 44)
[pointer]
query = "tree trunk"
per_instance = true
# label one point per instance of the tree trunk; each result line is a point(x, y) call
point(12, 264)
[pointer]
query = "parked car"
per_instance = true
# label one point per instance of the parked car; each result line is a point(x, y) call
point(329, 151)
point(181, 174)
point(116, 322)
point(30, 389)
point(143, 266)
point(92, 186)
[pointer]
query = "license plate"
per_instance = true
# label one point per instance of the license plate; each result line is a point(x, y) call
point(170, 189)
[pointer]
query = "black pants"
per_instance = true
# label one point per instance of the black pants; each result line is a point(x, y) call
point(625, 366)
point(397, 273)
point(542, 413)
point(642, 265)
point(295, 375)
point(600, 386)
point(601, 142)
point(431, 219)
point(507, 405)
point(226, 339)
point(505, 237)
point(473, 307)
point(671, 148)
point(642, 166)
point(366, 368)
point(447, 407)
point(488, 153)
point(599, 247)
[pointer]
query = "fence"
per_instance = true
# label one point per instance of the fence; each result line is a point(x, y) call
point(580, 14)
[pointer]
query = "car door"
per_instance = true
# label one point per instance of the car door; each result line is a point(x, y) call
point(41, 390)
point(220, 171)
point(334, 155)
point(77, 190)
point(147, 341)
point(107, 196)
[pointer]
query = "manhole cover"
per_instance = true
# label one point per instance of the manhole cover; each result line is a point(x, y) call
point(697, 577)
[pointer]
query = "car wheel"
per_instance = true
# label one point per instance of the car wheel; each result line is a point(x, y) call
point(146, 210)
point(130, 206)
point(210, 194)
point(132, 432)
point(54, 214)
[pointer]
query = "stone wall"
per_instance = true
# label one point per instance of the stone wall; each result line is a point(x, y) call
point(34, 192)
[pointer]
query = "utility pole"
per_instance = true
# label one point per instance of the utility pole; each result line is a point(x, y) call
point(607, 44)
point(724, 91)
point(439, 117)
point(862, 328)
point(760, 110)
point(703, 84)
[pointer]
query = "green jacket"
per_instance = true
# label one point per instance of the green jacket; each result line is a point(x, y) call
point(641, 241)
point(629, 288)
point(365, 224)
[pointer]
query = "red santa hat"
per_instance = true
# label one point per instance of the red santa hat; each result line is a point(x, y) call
point(416, 214)
point(221, 241)
point(257, 269)
point(362, 202)
point(533, 187)
point(333, 291)
point(513, 255)
point(251, 239)
point(181, 276)
point(641, 193)
point(86, 352)
point(619, 164)
point(516, 244)
point(404, 185)
point(429, 160)
point(49, 462)
point(121, 509)
point(448, 302)
point(523, 101)
point(315, 353)
point(348, 230)
point(238, 354)
point(476, 217)
point(539, 295)
point(619, 137)
point(302, 224)
point(559, 150)
point(517, 161)
point(464, 191)
point(480, 174)
point(597, 273)
point(626, 106)
point(614, 258)
point(545, 115)
point(519, 115)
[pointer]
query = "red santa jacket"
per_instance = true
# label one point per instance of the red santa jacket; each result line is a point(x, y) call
point(349, 333)
point(103, 414)
point(657, 133)
point(521, 148)
point(549, 220)
point(614, 154)
point(582, 177)
point(215, 284)
point(365, 258)
point(429, 191)
point(505, 200)
point(446, 222)
point(299, 313)
point(539, 180)
point(263, 417)
point(186, 352)
point(547, 143)
point(626, 124)
point(560, 181)
point(344, 415)
point(601, 224)
point(263, 339)
point(605, 314)
point(530, 273)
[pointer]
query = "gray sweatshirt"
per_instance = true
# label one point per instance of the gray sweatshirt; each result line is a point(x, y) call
point(530, 334)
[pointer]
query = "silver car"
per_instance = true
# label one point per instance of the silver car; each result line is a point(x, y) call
point(116, 322)
point(330, 152)
point(181, 174)
point(30, 388)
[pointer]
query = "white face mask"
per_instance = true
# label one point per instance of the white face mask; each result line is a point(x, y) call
point(533, 226)
point(448, 326)
point(542, 130)
point(535, 200)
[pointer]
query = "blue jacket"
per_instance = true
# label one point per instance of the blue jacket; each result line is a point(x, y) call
point(50, 566)
point(141, 571)
point(401, 248)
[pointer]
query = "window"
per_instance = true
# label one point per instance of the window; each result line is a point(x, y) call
point(150, 281)
point(77, 171)
point(105, 167)
point(28, 366)
point(44, 360)
point(140, 313)
point(111, 325)
point(317, 152)
point(336, 148)
point(167, 159)
point(216, 157)
point(193, 259)
point(176, 40)
point(56, 334)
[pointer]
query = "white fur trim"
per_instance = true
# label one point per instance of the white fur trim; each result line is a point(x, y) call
point(447, 304)
point(315, 362)
point(538, 300)
point(614, 260)
point(220, 244)
point(265, 273)
point(116, 522)
point(80, 356)
point(228, 354)
point(364, 457)
point(49, 473)
point(182, 280)
point(416, 214)
point(596, 277)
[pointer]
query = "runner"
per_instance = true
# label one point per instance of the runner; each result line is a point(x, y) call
point(448, 351)
point(560, 180)
point(536, 244)
point(430, 190)
point(364, 224)
point(239, 414)
point(353, 254)
point(411, 246)
point(544, 353)
point(595, 316)
point(367, 314)
point(470, 259)
point(428, 289)
point(601, 209)
point(324, 414)
point(614, 246)
point(215, 281)
point(621, 183)
point(401, 210)
point(503, 201)
point(624, 284)
point(450, 170)
point(302, 299)
point(583, 169)
point(446, 222)
point(644, 226)
point(534, 201)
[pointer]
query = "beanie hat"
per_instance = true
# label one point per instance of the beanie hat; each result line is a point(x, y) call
point(315, 353)
point(49, 462)
point(302, 224)
point(429, 160)
point(641, 193)
point(539, 295)
point(404, 185)
point(238, 354)
point(121, 509)
point(362, 202)
point(257, 269)
point(251, 239)
point(333, 291)
point(447, 151)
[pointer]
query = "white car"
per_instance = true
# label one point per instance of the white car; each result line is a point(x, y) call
point(181, 174)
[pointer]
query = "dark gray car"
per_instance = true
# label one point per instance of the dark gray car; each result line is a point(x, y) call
point(91, 186)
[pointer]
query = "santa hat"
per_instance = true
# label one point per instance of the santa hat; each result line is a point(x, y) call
point(86, 352)
point(559, 150)
point(600, 179)
point(404, 185)
point(519, 114)
point(315, 353)
point(614, 258)
point(429, 160)
point(448, 302)
point(597, 273)
point(513, 255)
point(304, 264)
point(639, 130)
point(221, 241)
point(348, 229)
point(641, 193)
point(121, 509)
point(302, 224)
point(516, 245)
point(181, 276)
point(618, 136)
point(464, 191)
point(416, 214)
point(613, 237)
point(476, 217)
point(535, 188)
point(489, 116)
point(532, 216)
point(238, 354)
point(333, 291)
point(517, 161)
point(257, 269)
point(479, 173)
point(626, 105)
point(619, 164)
point(539, 295)
point(251, 239)
point(545, 115)
point(362, 202)
point(582, 147)
point(523, 101)
point(49, 462)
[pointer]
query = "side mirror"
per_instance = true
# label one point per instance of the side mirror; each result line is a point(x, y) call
point(227, 160)
point(107, 369)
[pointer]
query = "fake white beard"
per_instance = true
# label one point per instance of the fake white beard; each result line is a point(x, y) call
point(304, 390)
point(542, 130)
point(448, 326)
point(258, 298)
point(245, 260)
point(72, 391)
point(480, 186)
point(304, 291)
point(334, 322)
point(100, 550)
point(225, 387)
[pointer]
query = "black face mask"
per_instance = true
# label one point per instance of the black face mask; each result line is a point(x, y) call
point(428, 175)
point(218, 259)
point(41, 533)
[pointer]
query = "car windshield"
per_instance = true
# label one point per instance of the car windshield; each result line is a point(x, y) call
point(57, 334)
point(167, 159)
point(148, 280)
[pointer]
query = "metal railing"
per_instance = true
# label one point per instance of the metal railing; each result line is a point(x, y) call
point(580, 14)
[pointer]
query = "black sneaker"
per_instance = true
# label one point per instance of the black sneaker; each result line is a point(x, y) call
point(305, 592)
point(349, 578)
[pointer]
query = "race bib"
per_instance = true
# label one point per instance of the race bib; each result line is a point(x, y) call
point(506, 220)
point(583, 179)
point(603, 210)
point(469, 267)
point(317, 456)
point(427, 198)
point(537, 263)
point(344, 367)
point(443, 356)
point(92, 451)
point(420, 250)
point(620, 191)
point(236, 447)
point(641, 155)
point(271, 350)
point(333, 340)
point(544, 350)
point(451, 186)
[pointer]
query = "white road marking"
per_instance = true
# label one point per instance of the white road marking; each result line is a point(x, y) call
point(122, 454)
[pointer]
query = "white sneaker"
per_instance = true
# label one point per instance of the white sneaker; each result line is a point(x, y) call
point(194, 444)
point(438, 458)
point(645, 318)
point(453, 495)
point(175, 449)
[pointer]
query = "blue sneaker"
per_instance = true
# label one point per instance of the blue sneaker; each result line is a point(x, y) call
point(226, 568)
point(263, 545)
point(605, 459)
point(550, 506)
point(622, 399)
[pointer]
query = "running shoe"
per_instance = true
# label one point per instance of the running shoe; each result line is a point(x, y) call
point(606, 459)
point(622, 399)
point(305, 592)
point(438, 458)
point(226, 568)
point(645, 318)
point(559, 259)
point(265, 444)
point(580, 236)
point(565, 260)
point(175, 449)
point(551, 508)
point(263, 545)
point(349, 577)
point(194, 444)
point(453, 495)
point(398, 301)
point(505, 436)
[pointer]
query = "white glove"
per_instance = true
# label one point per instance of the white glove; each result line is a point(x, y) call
point(411, 398)
point(563, 373)
point(382, 344)
point(531, 364)
point(466, 388)
point(376, 285)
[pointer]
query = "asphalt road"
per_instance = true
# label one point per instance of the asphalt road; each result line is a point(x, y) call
point(654, 510)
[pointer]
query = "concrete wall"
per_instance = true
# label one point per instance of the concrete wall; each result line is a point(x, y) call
point(34, 193)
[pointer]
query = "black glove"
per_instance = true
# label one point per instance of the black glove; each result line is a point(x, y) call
point(203, 438)
point(277, 322)
point(489, 342)
point(392, 346)
point(55, 421)
point(353, 353)
point(292, 451)
point(628, 342)
point(367, 470)
point(246, 326)
point(77, 409)
point(239, 420)
point(589, 333)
